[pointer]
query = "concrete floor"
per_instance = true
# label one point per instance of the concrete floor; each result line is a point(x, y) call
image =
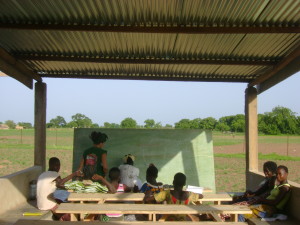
point(12, 216)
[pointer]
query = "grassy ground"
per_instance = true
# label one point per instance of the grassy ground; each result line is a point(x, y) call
point(16, 153)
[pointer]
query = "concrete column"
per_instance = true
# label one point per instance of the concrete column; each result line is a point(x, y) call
point(251, 133)
point(40, 125)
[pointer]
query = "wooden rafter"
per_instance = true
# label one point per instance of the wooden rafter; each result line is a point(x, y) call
point(212, 78)
point(147, 61)
point(15, 69)
point(293, 55)
point(153, 29)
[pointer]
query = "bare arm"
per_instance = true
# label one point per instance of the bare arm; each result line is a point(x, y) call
point(81, 164)
point(60, 182)
point(110, 187)
point(104, 163)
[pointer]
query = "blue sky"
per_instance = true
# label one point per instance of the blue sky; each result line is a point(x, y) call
point(165, 102)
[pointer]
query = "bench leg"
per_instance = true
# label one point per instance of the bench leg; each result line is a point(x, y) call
point(73, 217)
point(234, 218)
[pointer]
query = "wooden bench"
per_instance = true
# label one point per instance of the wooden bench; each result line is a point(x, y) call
point(41, 222)
point(151, 209)
point(217, 198)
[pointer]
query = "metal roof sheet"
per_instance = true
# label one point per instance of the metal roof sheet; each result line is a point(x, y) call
point(50, 46)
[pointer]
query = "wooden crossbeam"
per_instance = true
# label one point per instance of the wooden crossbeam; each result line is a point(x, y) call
point(212, 78)
point(147, 61)
point(280, 66)
point(15, 69)
point(153, 29)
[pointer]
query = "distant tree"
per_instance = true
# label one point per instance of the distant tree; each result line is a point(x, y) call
point(222, 127)
point(81, 121)
point(208, 123)
point(128, 123)
point(107, 125)
point(95, 125)
point(158, 125)
point(72, 124)
point(183, 124)
point(195, 123)
point(168, 126)
point(58, 121)
point(280, 121)
point(111, 125)
point(11, 124)
point(26, 125)
point(149, 123)
point(114, 125)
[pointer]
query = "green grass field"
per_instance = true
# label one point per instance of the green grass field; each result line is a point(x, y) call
point(16, 153)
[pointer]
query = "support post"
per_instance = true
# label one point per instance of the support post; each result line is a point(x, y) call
point(40, 125)
point(251, 133)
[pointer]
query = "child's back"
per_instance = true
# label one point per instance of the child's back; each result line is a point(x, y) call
point(151, 184)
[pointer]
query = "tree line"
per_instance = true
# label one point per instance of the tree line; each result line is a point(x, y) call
point(280, 121)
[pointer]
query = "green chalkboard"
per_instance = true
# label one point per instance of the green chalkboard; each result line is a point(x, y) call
point(171, 150)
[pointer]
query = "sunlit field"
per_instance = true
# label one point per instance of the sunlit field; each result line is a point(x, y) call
point(16, 153)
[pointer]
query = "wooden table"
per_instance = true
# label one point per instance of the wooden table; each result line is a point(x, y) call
point(217, 198)
point(50, 222)
point(150, 209)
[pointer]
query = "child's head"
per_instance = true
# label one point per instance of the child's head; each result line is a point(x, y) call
point(270, 168)
point(98, 137)
point(128, 159)
point(54, 164)
point(151, 173)
point(179, 180)
point(282, 173)
point(114, 174)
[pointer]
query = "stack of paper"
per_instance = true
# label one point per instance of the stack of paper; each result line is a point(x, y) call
point(195, 189)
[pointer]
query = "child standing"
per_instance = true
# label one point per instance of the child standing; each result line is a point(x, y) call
point(93, 162)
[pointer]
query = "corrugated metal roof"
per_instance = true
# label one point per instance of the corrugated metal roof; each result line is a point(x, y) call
point(234, 47)
point(173, 12)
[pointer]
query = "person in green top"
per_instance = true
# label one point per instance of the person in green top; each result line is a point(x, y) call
point(277, 199)
point(93, 163)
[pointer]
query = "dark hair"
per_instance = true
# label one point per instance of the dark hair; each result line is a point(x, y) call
point(54, 161)
point(179, 179)
point(152, 171)
point(98, 137)
point(284, 168)
point(129, 161)
point(271, 166)
point(114, 173)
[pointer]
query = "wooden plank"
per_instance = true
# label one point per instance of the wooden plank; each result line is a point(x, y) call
point(161, 61)
point(150, 209)
point(154, 29)
point(49, 222)
point(215, 217)
point(138, 197)
point(106, 197)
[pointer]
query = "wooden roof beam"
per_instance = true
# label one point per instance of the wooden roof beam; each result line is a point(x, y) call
point(284, 63)
point(16, 69)
point(154, 29)
point(147, 61)
point(149, 77)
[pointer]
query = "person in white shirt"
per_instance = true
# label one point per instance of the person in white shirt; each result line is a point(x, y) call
point(129, 173)
point(47, 184)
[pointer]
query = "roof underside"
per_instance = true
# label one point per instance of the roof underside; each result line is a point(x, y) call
point(185, 40)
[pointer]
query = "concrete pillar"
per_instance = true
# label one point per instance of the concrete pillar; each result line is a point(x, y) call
point(251, 133)
point(40, 125)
